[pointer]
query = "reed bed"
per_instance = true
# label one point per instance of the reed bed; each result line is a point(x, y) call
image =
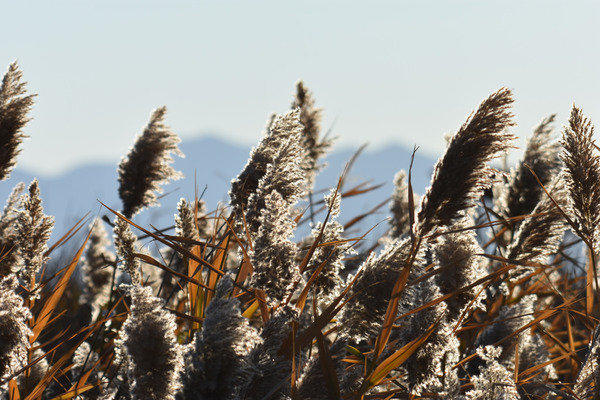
point(484, 287)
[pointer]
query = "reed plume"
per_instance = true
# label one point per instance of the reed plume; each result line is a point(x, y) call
point(97, 269)
point(125, 241)
point(221, 349)
point(9, 258)
point(14, 332)
point(268, 216)
point(494, 380)
point(532, 350)
point(33, 230)
point(146, 166)
point(329, 256)
point(273, 258)
point(539, 237)
point(267, 368)
point(187, 225)
point(155, 358)
point(368, 299)
point(541, 155)
point(283, 131)
point(582, 175)
point(310, 118)
point(457, 254)
point(461, 174)
point(15, 104)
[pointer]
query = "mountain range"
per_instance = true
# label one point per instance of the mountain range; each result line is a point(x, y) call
point(209, 166)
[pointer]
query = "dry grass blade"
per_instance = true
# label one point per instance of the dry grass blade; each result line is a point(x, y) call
point(308, 334)
point(51, 303)
point(411, 200)
point(168, 243)
point(152, 261)
point(67, 236)
point(390, 314)
point(461, 174)
point(74, 392)
point(395, 360)
point(327, 366)
point(13, 390)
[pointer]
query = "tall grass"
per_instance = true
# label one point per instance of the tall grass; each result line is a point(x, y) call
point(484, 287)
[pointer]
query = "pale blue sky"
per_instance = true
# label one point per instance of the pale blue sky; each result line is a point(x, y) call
point(384, 71)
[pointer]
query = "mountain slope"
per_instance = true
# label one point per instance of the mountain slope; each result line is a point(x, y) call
point(209, 165)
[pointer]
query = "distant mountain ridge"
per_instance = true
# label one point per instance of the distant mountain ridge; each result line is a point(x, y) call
point(210, 164)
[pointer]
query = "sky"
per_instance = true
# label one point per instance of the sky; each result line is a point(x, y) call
point(406, 72)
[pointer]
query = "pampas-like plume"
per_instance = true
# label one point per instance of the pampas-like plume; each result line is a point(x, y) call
point(494, 381)
point(97, 268)
point(146, 166)
point(28, 380)
point(310, 118)
point(187, 226)
point(328, 283)
point(155, 358)
point(14, 332)
point(461, 175)
point(459, 266)
point(532, 350)
point(269, 371)
point(273, 258)
point(84, 359)
point(541, 155)
point(185, 221)
point(283, 131)
point(582, 174)
point(538, 237)
point(125, 241)
point(330, 254)
point(363, 315)
point(14, 106)
point(33, 230)
point(284, 176)
point(220, 350)
point(8, 255)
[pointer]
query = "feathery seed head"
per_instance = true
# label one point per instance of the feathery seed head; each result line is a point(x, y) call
point(9, 257)
point(310, 118)
point(542, 156)
point(14, 332)
point(146, 166)
point(461, 174)
point(14, 107)
point(283, 174)
point(155, 358)
point(97, 267)
point(280, 145)
point(582, 173)
point(125, 241)
point(33, 231)
point(275, 269)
